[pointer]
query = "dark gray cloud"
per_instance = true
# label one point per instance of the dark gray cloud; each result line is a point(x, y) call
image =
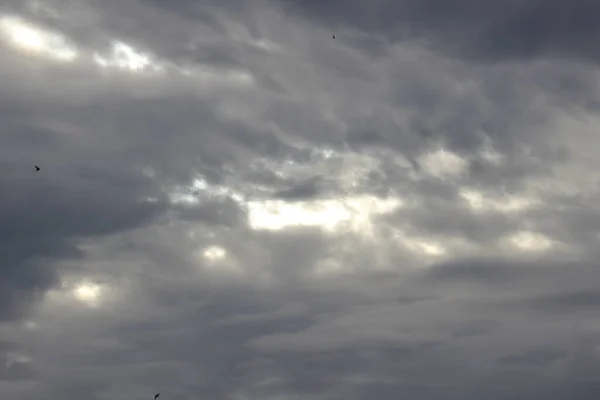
point(234, 205)
point(307, 189)
point(492, 31)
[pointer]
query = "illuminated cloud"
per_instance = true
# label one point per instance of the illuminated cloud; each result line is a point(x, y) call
point(425, 247)
point(33, 40)
point(354, 213)
point(199, 190)
point(88, 293)
point(218, 259)
point(126, 57)
point(443, 163)
point(215, 253)
point(530, 241)
point(79, 292)
point(480, 202)
point(36, 41)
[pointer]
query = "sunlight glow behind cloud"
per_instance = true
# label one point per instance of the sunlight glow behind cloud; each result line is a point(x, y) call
point(30, 39)
point(36, 41)
point(88, 293)
point(215, 253)
point(354, 213)
point(218, 259)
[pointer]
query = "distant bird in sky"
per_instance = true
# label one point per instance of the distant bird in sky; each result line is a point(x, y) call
point(37, 168)
point(156, 396)
point(334, 36)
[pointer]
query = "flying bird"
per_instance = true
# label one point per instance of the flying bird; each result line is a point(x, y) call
point(37, 168)
point(334, 36)
point(156, 396)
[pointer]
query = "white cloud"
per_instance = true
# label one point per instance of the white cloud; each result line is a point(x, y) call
point(36, 41)
point(353, 213)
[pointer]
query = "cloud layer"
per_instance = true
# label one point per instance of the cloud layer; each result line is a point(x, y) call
point(232, 204)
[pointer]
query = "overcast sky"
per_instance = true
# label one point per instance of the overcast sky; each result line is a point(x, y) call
point(234, 205)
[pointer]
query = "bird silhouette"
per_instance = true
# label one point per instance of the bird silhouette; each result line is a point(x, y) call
point(37, 168)
point(334, 36)
point(156, 396)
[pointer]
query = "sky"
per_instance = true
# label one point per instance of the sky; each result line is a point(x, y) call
point(234, 205)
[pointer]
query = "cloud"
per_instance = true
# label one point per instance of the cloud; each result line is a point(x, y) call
point(481, 30)
point(231, 204)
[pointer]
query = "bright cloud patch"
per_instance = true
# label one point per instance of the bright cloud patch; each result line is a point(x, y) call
point(354, 213)
point(480, 202)
point(530, 241)
point(200, 189)
point(88, 293)
point(215, 253)
point(218, 259)
point(33, 40)
point(443, 163)
point(124, 56)
point(424, 246)
point(81, 292)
